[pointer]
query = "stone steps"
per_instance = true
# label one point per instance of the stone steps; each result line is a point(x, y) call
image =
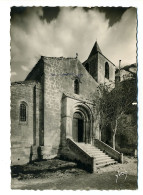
point(104, 161)
point(101, 158)
point(92, 150)
point(105, 164)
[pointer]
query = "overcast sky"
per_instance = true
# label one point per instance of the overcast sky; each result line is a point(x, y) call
point(64, 32)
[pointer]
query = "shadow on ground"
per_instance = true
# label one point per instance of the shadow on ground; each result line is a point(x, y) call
point(59, 174)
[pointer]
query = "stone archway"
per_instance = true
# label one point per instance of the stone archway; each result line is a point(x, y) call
point(70, 106)
point(82, 123)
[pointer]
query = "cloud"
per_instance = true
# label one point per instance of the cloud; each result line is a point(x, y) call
point(25, 68)
point(119, 42)
point(73, 31)
point(13, 73)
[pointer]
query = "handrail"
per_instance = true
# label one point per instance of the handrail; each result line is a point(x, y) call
point(107, 146)
point(109, 150)
point(77, 146)
point(81, 156)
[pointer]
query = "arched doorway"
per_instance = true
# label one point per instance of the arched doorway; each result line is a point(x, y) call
point(78, 127)
point(82, 124)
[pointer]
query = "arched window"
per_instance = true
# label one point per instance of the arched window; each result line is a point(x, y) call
point(106, 70)
point(23, 112)
point(87, 67)
point(76, 86)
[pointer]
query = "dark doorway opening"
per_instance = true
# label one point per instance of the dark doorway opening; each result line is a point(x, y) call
point(78, 127)
point(80, 130)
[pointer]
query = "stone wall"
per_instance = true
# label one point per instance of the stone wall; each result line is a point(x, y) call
point(101, 70)
point(37, 74)
point(93, 66)
point(43, 90)
point(59, 76)
point(24, 134)
point(97, 68)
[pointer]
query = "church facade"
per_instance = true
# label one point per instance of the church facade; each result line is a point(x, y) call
point(55, 103)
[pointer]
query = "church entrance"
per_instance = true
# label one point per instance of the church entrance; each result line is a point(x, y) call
point(78, 127)
point(77, 121)
point(81, 126)
point(80, 130)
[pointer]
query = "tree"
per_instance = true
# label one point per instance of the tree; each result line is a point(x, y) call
point(112, 104)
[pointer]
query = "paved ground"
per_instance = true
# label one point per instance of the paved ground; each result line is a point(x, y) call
point(56, 174)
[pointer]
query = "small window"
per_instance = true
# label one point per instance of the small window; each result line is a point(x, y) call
point(76, 86)
point(23, 114)
point(87, 67)
point(106, 70)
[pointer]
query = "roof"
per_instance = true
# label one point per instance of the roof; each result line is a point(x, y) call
point(30, 82)
point(95, 49)
point(59, 58)
point(128, 68)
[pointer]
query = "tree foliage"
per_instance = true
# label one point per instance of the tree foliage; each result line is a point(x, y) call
point(112, 104)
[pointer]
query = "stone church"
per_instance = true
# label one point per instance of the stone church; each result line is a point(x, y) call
point(53, 113)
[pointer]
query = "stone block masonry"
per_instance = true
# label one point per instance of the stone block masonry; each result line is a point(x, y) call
point(60, 98)
point(59, 76)
point(24, 134)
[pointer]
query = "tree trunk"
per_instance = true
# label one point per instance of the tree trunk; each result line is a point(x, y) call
point(114, 134)
point(114, 141)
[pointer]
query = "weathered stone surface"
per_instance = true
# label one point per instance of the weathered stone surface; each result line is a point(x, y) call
point(48, 92)
point(24, 134)
point(96, 63)
point(59, 79)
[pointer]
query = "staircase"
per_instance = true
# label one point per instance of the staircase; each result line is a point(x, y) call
point(93, 156)
point(100, 158)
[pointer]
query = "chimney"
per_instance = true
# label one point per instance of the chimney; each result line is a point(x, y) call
point(119, 64)
point(119, 67)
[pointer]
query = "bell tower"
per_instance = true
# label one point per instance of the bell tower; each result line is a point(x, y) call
point(100, 67)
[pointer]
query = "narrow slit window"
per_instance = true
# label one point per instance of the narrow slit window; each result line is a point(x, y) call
point(106, 70)
point(23, 112)
point(76, 86)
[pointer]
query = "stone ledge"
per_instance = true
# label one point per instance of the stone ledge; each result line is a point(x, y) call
point(109, 150)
